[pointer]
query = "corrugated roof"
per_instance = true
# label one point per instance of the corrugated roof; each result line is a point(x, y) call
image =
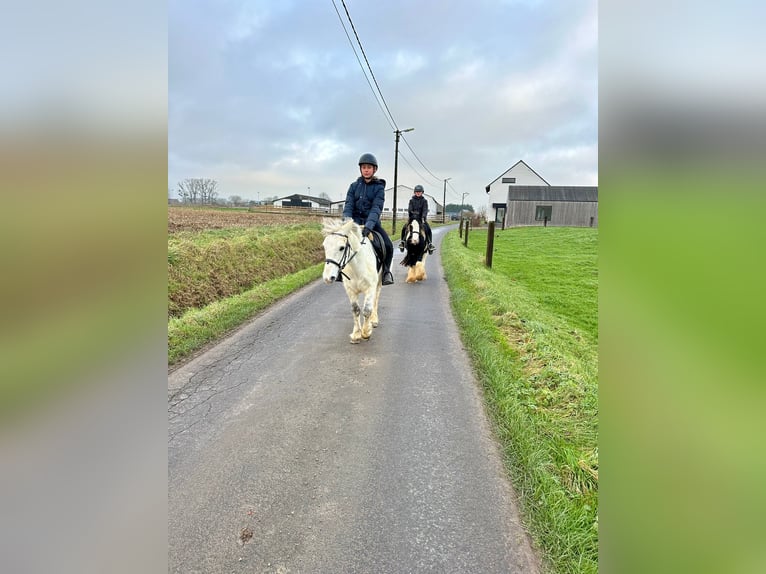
point(552, 193)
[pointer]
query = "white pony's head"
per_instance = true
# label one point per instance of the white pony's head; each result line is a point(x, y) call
point(340, 242)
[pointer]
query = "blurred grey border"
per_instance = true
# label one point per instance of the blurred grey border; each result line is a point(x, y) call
point(83, 112)
point(682, 85)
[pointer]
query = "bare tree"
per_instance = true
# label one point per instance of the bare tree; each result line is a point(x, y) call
point(198, 190)
point(235, 200)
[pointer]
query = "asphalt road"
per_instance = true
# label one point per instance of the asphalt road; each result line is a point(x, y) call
point(291, 450)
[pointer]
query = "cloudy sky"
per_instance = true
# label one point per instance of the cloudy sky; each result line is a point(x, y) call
point(268, 98)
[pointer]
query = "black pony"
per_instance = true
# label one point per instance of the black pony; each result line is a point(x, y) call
point(416, 252)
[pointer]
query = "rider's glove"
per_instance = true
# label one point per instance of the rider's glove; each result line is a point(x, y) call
point(366, 231)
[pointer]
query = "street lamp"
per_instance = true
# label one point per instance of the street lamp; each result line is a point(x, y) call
point(396, 170)
point(444, 201)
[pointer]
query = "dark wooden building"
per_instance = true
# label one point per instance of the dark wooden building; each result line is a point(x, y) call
point(562, 206)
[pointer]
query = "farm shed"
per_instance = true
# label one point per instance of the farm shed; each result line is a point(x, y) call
point(300, 200)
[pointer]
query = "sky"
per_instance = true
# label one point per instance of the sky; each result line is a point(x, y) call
point(269, 99)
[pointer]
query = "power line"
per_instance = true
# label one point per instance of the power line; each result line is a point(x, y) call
point(411, 167)
point(368, 62)
point(421, 163)
point(393, 125)
point(379, 93)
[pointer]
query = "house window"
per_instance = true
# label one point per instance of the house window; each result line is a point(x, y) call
point(509, 180)
point(543, 212)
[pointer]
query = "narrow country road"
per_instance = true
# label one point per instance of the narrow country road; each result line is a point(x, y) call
point(292, 451)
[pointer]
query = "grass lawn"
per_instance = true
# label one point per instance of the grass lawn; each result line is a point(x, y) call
point(530, 325)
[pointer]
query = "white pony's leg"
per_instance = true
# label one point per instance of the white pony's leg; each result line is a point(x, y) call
point(369, 308)
point(356, 334)
point(374, 317)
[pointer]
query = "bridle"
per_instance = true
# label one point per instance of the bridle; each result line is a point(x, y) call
point(411, 232)
point(348, 255)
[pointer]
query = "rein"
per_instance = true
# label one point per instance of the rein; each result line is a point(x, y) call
point(345, 260)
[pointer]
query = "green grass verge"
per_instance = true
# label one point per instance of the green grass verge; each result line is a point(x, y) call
point(197, 327)
point(529, 325)
point(207, 266)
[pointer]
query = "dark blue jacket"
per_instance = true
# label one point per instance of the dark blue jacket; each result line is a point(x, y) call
point(364, 202)
point(418, 208)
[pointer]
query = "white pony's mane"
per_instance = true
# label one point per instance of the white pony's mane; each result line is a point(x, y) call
point(332, 225)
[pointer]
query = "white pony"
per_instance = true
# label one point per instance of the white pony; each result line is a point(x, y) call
point(348, 258)
point(417, 252)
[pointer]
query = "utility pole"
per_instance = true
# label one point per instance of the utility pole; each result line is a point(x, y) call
point(396, 171)
point(444, 200)
point(461, 203)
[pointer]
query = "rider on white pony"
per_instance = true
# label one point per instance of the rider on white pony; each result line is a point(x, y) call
point(418, 210)
point(364, 204)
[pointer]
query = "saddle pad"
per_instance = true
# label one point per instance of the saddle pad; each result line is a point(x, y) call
point(378, 246)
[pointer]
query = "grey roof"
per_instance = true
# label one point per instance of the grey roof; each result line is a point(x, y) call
point(552, 193)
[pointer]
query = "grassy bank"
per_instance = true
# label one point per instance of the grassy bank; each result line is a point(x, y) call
point(207, 266)
point(219, 278)
point(530, 327)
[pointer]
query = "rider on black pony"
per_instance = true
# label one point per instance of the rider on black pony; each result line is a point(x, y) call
point(418, 209)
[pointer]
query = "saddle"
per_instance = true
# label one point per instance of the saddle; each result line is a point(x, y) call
point(378, 246)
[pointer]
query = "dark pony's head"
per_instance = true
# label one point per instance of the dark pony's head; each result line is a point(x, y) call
point(413, 235)
point(415, 244)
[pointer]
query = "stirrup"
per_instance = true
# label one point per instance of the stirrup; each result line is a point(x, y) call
point(401, 246)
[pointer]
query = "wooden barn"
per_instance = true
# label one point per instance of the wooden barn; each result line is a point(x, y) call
point(561, 206)
point(520, 197)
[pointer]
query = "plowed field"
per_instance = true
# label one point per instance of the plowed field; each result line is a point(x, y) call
point(193, 219)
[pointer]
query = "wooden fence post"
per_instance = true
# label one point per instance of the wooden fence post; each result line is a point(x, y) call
point(465, 241)
point(490, 243)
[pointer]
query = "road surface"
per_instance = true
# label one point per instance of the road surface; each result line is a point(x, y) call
point(293, 451)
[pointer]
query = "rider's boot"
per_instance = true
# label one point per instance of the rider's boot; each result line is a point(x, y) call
point(401, 245)
point(431, 248)
point(388, 277)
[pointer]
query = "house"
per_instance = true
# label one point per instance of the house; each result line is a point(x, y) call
point(518, 174)
point(521, 197)
point(403, 195)
point(301, 200)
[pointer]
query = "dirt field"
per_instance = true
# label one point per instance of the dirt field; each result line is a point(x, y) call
point(196, 219)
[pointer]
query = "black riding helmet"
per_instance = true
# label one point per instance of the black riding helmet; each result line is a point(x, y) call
point(368, 158)
point(418, 187)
